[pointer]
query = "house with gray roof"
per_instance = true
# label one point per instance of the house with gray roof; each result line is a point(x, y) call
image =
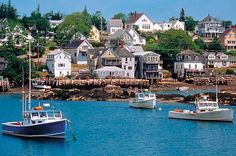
point(127, 60)
point(148, 65)
point(209, 27)
point(189, 63)
point(110, 71)
point(128, 37)
point(216, 59)
point(113, 25)
point(58, 63)
point(78, 50)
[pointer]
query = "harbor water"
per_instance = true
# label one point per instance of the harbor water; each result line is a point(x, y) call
point(112, 128)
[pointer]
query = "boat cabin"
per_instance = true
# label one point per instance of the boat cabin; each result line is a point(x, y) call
point(41, 116)
point(145, 96)
point(204, 103)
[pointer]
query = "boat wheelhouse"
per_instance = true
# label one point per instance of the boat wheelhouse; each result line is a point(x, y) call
point(144, 99)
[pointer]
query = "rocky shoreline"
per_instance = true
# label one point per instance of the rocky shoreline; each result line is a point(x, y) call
point(116, 93)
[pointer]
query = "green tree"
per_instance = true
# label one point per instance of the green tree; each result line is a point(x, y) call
point(74, 26)
point(170, 43)
point(200, 43)
point(121, 16)
point(182, 15)
point(8, 11)
point(190, 23)
point(98, 20)
point(227, 23)
point(215, 45)
point(36, 24)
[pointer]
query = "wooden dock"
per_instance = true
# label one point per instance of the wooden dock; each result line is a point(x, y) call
point(93, 83)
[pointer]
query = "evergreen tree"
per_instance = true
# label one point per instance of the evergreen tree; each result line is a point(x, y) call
point(182, 15)
point(215, 45)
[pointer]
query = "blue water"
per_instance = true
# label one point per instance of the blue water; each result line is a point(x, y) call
point(112, 128)
point(185, 93)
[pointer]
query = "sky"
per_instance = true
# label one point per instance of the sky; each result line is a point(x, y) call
point(157, 10)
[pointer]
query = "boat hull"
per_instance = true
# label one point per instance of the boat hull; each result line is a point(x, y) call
point(41, 87)
point(148, 104)
point(215, 115)
point(53, 129)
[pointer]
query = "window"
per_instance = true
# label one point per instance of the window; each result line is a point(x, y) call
point(124, 67)
point(126, 59)
point(42, 114)
point(61, 64)
point(189, 66)
point(129, 68)
point(75, 54)
point(85, 47)
point(195, 66)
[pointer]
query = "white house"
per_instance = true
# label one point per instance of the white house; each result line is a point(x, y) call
point(188, 63)
point(127, 60)
point(59, 63)
point(113, 25)
point(55, 23)
point(141, 20)
point(78, 50)
point(216, 59)
point(173, 24)
point(157, 26)
point(137, 39)
point(106, 71)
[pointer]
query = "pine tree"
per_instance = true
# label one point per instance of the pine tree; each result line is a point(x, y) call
point(182, 15)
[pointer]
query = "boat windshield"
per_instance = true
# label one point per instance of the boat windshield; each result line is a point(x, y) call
point(42, 114)
point(57, 114)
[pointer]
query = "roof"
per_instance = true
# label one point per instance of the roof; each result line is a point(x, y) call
point(210, 19)
point(58, 51)
point(133, 48)
point(123, 52)
point(118, 33)
point(233, 27)
point(225, 32)
point(115, 23)
point(110, 68)
point(2, 20)
point(145, 53)
point(74, 44)
point(56, 21)
point(133, 18)
point(189, 52)
point(128, 30)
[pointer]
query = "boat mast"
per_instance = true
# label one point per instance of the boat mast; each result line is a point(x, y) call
point(216, 88)
point(29, 98)
point(23, 94)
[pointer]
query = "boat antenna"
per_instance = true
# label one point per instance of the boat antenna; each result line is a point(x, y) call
point(29, 98)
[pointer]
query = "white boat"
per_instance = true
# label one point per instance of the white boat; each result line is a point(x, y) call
point(144, 100)
point(182, 88)
point(205, 110)
point(40, 85)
